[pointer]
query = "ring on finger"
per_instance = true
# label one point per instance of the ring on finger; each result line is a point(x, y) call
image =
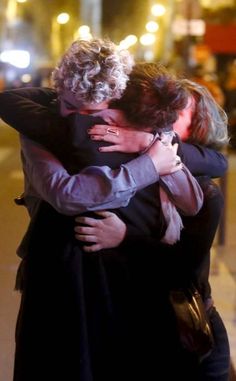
point(112, 131)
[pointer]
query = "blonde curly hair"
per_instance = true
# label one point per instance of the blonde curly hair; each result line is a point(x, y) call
point(209, 124)
point(94, 71)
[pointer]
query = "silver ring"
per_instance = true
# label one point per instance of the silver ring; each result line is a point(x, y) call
point(112, 131)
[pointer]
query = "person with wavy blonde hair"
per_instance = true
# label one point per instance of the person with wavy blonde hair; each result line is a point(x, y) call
point(209, 121)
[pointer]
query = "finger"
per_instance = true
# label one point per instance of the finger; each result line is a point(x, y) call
point(84, 230)
point(80, 219)
point(175, 147)
point(104, 213)
point(87, 221)
point(86, 238)
point(92, 248)
point(112, 148)
point(104, 138)
point(178, 160)
point(176, 168)
point(98, 129)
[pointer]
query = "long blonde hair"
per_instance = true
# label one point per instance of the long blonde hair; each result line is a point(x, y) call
point(209, 124)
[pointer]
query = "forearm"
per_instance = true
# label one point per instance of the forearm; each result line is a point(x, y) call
point(94, 188)
point(40, 95)
point(27, 111)
point(184, 191)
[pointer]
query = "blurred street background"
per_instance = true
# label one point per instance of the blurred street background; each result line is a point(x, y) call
point(193, 38)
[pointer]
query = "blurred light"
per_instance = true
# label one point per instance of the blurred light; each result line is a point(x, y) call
point(152, 26)
point(158, 10)
point(217, 3)
point(63, 18)
point(11, 74)
point(17, 58)
point(26, 78)
point(83, 32)
point(21, 1)
point(184, 27)
point(149, 55)
point(147, 39)
point(11, 10)
point(130, 40)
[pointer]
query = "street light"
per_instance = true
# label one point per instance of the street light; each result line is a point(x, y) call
point(152, 26)
point(57, 38)
point(83, 32)
point(63, 18)
point(158, 10)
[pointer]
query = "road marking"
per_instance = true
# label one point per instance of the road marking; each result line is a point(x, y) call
point(5, 152)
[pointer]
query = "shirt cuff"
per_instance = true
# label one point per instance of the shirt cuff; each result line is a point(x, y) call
point(143, 171)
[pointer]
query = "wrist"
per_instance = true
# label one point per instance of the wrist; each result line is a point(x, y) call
point(146, 143)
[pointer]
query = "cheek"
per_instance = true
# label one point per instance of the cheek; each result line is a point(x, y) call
point(181, 126)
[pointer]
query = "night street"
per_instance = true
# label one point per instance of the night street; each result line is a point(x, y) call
point(13, 221)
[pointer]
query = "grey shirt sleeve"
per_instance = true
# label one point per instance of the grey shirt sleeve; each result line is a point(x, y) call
point(184, 191)
point(94, 188)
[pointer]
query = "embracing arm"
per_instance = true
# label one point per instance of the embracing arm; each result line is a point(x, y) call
point(184, 191)
point(203, 161)
point(28, 111)
point(94, 188)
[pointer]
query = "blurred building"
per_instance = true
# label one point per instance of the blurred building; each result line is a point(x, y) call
point(182, 34)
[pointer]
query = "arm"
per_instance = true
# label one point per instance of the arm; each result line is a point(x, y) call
point(199, 160)
point(110, 231)
point(203, 161)
point(40, 95)
point(95, 187)
point(28, 112)
point(184, 191)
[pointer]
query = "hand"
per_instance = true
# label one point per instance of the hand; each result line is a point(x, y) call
point(124, 139)
point(164, 157)
point(105, 233)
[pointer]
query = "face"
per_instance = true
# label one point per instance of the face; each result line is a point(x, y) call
point(68, 103)
point(182, 124)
